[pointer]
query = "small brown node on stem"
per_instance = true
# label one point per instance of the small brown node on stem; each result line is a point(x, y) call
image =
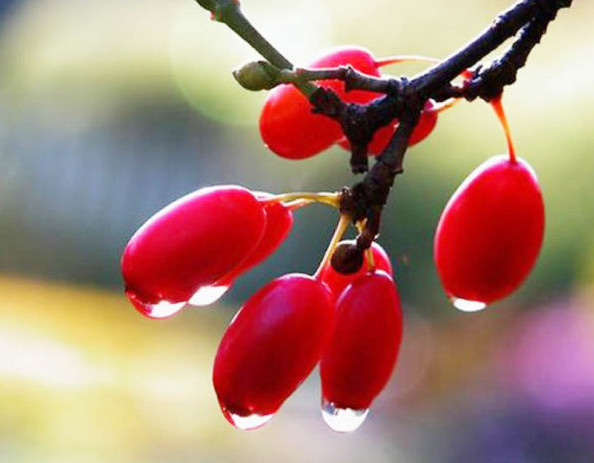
point(347, 258)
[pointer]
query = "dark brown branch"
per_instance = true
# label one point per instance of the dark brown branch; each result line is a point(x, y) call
point(532, 16)
point(488, 83)
point(503, 27)
point(360, 123)
point(366, 199)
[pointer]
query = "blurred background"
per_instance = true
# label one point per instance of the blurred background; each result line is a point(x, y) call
point(110, 110)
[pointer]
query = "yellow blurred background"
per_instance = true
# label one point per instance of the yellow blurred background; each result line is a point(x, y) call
point(110, 110)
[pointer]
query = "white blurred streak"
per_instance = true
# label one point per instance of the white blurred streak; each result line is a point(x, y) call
point(32, 357)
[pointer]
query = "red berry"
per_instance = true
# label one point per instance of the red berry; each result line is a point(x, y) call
point(191, 243)
point(490, 233)
point(360, 59)
point(270, 347)
point(279, 220)
point(337, 282)
point(287, 124)
point(382, 137)
point(362, 352)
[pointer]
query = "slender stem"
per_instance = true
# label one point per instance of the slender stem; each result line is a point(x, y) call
point(370, 259)
point(442, 106)
point(231, 15)
point(298, 204)
point(331, 199)
point(234, 18)
point(352, 78)
point(312, 74)
point(397, 59)
point(497, 106)
point(369, 251)
point(341, 228)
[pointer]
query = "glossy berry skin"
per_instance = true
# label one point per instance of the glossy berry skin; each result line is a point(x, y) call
point(271, 345)
point(337, 282)
point(279, 221)
point(191, 243)
point(287, 124)
point(363, 350)
point(490, 233)
point(382, 137)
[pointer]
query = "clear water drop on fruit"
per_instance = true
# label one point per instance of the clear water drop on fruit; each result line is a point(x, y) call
point(342, 419)
point(247, 423)
point(465, 305)
point(163, 309)
point(207, 295)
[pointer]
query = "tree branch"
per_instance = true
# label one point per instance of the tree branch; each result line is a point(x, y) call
point(532, 16)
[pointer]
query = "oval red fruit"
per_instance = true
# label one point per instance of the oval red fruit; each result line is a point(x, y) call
point(490, 233)
point(279, 220)
point(287, 125)
point(362, 352)
point(270, 347)
point(192, 242)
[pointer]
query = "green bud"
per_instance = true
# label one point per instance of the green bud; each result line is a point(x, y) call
point(257, 75)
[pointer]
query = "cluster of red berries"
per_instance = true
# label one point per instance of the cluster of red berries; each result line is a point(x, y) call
point(350, 324)
point(491, 231)
point(349, 321)
point(291, 130)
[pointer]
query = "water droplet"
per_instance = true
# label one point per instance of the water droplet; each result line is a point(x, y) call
point(468, 306)
point(342, 419)
point(207, 295)
point(163, 309)
point(247, 423)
